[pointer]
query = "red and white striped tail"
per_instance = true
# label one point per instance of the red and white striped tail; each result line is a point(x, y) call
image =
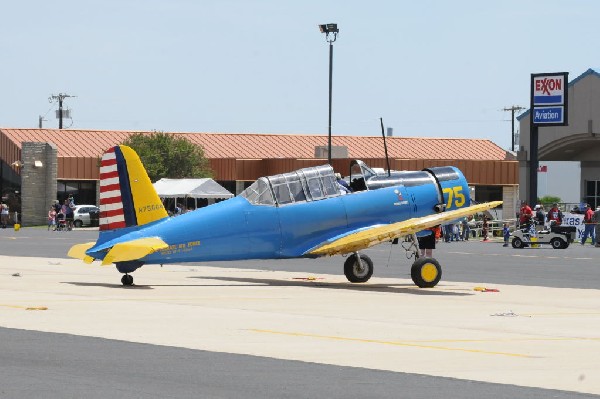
point(112, 215)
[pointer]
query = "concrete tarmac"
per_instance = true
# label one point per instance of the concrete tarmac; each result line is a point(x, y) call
point(508, 340)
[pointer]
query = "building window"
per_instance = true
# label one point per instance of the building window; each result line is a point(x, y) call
point(84, 192)
point(592, 193)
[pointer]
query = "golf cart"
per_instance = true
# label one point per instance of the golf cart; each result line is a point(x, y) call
point(558, 236)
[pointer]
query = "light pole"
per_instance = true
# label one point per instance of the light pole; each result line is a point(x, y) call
point(331, 31)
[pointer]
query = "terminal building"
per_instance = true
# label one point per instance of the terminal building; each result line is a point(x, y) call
point(42, 165)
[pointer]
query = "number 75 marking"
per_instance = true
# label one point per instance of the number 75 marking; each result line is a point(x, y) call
point(454, 193)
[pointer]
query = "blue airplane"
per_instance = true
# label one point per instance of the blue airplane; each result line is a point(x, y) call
point(301, 214)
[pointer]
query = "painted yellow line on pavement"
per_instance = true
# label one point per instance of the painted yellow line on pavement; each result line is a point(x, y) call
point(545, 339)
point(24, 307)
point(12, 306)
point(392, 343)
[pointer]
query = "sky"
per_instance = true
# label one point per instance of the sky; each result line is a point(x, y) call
point(429, 68)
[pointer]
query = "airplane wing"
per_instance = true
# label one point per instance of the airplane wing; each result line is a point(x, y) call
point(382, 233)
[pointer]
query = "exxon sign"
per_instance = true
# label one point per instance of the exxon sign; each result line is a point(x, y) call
point(549, 98)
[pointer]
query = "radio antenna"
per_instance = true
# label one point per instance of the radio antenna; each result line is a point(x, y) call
point(387, 160)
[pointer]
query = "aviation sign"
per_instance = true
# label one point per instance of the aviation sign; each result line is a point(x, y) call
point(549, 99)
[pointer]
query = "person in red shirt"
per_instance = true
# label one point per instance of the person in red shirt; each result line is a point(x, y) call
point(525, 215)
point(554, 214)
point(589, 225)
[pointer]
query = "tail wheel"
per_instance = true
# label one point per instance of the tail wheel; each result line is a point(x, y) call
point(426, 272)
point(517, 243)
point(557, 243)
point(358, 272)
point(127, 280)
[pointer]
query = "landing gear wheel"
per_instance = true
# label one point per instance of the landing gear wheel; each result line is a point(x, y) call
point(426, 272)
point(127, 280)
point(557, 243)
point(358, 272)
point(517, 243)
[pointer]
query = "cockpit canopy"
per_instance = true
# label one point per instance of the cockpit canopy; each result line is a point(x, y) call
point(308, 184)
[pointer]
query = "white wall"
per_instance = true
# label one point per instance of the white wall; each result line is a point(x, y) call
point(563, 180)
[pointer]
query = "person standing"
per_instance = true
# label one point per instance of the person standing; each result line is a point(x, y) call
point(465, 228)
point(525, 215)
point(589, 225)
point(455, 232)
point(52, 218)
point(427, 239)
point(597, 228)
point(68, 212)
point(506, 234)
point(484, 229)
point(540, 217)
point(3, 214)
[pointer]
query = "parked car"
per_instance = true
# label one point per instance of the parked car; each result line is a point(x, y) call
point(85, 215)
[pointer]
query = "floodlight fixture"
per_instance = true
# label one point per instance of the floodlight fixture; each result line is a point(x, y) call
point(331, 31)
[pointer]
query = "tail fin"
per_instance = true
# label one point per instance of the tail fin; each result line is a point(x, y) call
point(127, 196)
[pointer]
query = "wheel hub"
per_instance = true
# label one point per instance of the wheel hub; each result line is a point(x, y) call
point(429, 272)
point(359, 269)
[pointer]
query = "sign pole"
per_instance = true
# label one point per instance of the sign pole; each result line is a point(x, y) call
point(533, 165)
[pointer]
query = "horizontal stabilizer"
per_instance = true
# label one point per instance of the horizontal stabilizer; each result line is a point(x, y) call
point(78, 251)
point(375, 235)
point(133, 250)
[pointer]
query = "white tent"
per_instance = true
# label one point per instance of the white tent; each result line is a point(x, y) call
point(191, 188)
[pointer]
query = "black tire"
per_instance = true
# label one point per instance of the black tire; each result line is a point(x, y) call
point(558, 243)
point(358, 273)
point(426, 272)
point(517, 243)
point(78, 223)
point(127, 280)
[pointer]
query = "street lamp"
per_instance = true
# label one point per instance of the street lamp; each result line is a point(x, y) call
point(331, 31)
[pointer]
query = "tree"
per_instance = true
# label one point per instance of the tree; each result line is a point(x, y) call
point(165, 155)
point(549, 199)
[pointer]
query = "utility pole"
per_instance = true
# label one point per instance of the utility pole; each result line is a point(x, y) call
point(513, 109)
point(60, 97)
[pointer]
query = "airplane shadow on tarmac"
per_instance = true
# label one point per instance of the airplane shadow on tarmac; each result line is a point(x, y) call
point(121, 286)
point(252, 282)
point(392, 288)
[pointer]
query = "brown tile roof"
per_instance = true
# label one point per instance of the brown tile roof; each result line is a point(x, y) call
point(92, 143)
